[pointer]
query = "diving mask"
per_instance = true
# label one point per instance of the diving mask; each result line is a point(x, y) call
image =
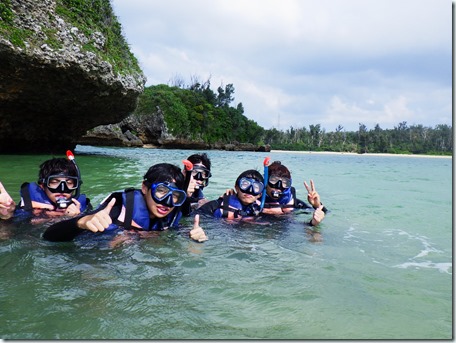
point(250, 186)
point(61, 183)
point(278, 182)
point(202, 174)
point(168, 194)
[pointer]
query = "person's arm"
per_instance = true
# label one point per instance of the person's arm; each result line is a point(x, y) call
point(209, 208)
point(63, 231)
point(67, 230)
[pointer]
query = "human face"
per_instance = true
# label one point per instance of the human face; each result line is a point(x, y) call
point(58, 187)
point(249, 190)
point(162, 197)
point(277, 185)
point(199, 178)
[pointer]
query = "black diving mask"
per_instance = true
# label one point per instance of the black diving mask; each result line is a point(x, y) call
point(202, 174)
point(282, 183)
point(61, 183)
point(168, 194)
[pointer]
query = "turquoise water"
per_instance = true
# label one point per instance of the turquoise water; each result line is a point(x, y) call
point(383, 270)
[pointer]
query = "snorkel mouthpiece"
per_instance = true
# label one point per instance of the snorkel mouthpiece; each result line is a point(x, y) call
point(63, 202)
point(276, 194)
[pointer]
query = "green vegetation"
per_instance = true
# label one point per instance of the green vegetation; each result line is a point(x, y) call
point(89, 16)
point(7, 30)
point(197, 113)
point(5, 11)
point(403, 139)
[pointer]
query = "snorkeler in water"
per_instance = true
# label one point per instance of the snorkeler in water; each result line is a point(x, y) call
point(55, 194)
point(280, 196)
point(154, 207)
point(196, 179)
point(242, 203)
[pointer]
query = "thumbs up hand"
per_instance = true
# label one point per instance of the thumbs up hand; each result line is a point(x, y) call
point(197, 233)
point(318, 216)
point(98, 221)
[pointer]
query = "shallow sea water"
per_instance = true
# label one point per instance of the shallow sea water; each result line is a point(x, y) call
point(383, 270)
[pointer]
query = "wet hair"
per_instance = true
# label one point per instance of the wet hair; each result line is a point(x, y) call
point(56, 166)
point(164, 172)
point(278, 169)
point(200, 158)
point(252, 174)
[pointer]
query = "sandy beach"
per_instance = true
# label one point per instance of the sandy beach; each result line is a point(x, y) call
point(365, 154)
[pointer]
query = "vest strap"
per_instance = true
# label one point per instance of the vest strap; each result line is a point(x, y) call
point(26, 196)
point(129, 206)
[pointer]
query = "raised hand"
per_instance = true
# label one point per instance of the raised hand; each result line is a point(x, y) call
point(312, 196)
point(7, 204)
point(197, 233)
point(318, 215)
point(74, 209)
point(229, 191)
point(98, 221)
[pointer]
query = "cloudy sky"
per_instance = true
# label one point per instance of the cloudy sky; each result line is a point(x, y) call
point(304, 62)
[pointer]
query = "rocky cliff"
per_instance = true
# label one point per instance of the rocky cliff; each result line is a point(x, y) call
point(150, 130)
point(64, 69)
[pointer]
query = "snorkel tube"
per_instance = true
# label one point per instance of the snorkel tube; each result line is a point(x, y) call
point(70, 157)
point(188, 175)
point(265, 177)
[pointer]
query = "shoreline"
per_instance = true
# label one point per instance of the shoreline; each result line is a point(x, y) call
point(356, 154)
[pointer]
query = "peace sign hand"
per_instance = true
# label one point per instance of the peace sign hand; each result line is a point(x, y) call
point(312, 196)
point(98, 221)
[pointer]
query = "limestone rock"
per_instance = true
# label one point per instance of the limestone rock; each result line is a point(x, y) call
point(58, 80)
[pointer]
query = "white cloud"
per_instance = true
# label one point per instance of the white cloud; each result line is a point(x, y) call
point(301, 62)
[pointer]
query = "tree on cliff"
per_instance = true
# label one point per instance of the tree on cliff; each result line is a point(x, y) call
point(198, 113)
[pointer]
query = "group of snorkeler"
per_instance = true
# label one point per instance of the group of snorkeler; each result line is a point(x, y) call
point(167, 194)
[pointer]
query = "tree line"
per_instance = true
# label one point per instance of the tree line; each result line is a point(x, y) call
point(403, 139)
point(196, 112)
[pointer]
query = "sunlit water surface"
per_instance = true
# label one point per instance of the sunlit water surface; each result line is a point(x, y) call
point(382, 271)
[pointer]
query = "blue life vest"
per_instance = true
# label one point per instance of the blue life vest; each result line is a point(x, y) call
point(232, 204)
point(137, 215)
point(284, 198)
